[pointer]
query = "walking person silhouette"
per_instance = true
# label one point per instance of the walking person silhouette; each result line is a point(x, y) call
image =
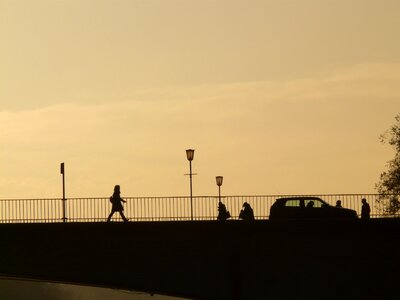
point(116, 201)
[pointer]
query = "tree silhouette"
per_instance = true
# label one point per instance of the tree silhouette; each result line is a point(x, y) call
point(389, 184)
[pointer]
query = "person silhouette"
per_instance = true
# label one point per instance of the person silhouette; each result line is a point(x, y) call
point(246, 213)
point(365, 209)
point(223, 214)
point(339, 203)
point(116, 201)
point(310, 204)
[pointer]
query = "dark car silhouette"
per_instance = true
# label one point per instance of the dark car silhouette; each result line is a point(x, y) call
point(307, 208)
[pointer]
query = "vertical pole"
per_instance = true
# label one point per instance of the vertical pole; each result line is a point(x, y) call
point(219, 193)
point(63, 199)
point(191, 193)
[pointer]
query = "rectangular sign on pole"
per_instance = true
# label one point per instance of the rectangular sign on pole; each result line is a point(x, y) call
point(63, 185)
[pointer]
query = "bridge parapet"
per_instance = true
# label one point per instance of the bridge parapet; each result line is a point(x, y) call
point(351, 259)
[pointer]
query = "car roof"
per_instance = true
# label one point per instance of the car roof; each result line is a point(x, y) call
point(299, 198)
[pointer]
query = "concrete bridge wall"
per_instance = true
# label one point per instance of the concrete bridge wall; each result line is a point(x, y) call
point(212, 260)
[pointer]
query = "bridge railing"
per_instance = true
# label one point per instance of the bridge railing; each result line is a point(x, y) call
point(158, 208)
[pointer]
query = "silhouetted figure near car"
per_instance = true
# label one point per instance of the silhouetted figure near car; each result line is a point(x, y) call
point(116, 201)
point(223, 214)
point(339, 203)
point(365, 209)
point(246, 213)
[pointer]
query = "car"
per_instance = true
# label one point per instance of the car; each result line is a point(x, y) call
point(307, 208)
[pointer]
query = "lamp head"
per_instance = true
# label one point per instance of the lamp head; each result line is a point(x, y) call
point(219, 180)
point(190, 154)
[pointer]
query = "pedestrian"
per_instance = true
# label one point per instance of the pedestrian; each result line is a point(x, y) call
point(223, 213)
point(116, 201)
point(365, 209)
point(247, 212)
point(339, 204)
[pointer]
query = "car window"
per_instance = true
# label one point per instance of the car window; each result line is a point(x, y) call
point(316, 203)
point(293, 203)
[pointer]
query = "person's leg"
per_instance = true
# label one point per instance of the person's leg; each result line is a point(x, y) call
point(110, 216)
point(123, 216)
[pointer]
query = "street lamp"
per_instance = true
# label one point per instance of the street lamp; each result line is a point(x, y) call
point(190, 155)
point(219, 180)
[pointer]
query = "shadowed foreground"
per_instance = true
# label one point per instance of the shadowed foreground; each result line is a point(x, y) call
point(212, 260)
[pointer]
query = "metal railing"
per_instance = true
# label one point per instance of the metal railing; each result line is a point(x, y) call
point(159, 208)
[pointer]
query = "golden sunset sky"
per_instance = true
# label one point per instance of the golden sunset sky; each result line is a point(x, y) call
point(279, 97)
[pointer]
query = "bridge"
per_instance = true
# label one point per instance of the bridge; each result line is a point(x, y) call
point(207, 259)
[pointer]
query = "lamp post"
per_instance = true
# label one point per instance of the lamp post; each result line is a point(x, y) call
point(219, 180)
point(190, 155)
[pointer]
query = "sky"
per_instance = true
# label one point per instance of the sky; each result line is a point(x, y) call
point(279, 97)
